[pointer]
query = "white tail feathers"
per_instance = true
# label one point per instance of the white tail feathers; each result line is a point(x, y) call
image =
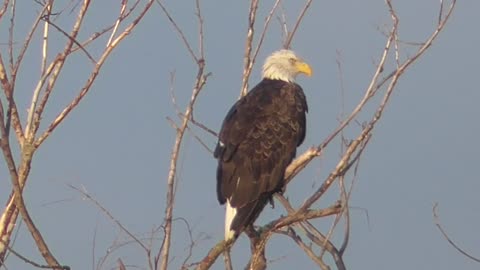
point(230, 213)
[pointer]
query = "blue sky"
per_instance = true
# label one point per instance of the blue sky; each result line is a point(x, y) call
point(117, 143)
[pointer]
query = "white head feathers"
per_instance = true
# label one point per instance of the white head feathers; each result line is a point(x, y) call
point(284, 65)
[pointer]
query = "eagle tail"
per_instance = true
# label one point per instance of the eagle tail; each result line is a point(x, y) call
point(237, 219)
point(230, 214)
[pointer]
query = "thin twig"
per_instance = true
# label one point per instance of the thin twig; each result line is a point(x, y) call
point(105, 30)
point(192, 242)
point(257, 260)
point(200, 29)
point(28, 134)
point(265, 28)
point(73, 39)
point(202, 126)
point(288, 42)
point(314, 235)
point(117, 23)
point(307, 249)
point(87, 86)
point(4, 7)
point(248, 61)
point(282, 19)
point(94, 244)
point(108, 214)
point(8, 86)
point(440, 228)
point(48, 7)
point(11, 28)
point(27, 260)
point(178, 30)
point(322, 241)
point(202, 143)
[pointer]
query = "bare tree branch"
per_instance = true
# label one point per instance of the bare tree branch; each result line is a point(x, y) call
point(12, 114)
point(178, 30)
point(28, 261)
point(79, 46)
point(109, 215)
point(86, 88)
point(17, 183)
point(307, 249)
point(200, 82)
point(314, 235)
point(27, 143)
point(288, 42)
point(213, 254)
point(33, 124)
point(248, 61)
point(264, 32)
point(121, 266)
point(450, 241)
point(123, 7)
point(3, 9)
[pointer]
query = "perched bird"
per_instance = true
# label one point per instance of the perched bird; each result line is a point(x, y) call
point(258, 140)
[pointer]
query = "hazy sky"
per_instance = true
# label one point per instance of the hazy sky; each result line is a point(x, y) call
point(117, 144)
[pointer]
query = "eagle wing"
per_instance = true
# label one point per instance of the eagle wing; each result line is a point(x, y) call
point(257, 141)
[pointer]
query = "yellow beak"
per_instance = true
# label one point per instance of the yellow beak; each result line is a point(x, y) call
point(304, 68)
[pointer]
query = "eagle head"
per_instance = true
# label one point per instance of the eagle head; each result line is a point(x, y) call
point(285, 65)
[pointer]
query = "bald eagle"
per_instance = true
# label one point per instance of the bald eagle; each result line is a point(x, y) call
point(258, 140)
